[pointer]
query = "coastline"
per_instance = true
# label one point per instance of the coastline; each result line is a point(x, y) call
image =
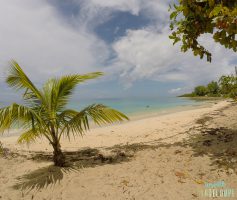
point(170, 156)
point(204, 103)
point(175, 119)
point(144, 115)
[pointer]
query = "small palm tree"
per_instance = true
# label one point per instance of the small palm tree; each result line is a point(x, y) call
point(44, 112)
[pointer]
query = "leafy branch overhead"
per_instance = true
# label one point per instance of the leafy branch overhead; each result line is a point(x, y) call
point(192, 18)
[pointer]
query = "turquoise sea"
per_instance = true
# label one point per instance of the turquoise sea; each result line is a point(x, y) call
point(136, 107)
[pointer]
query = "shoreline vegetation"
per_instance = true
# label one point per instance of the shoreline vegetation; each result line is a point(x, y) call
point(225, 87)
point(203, 98)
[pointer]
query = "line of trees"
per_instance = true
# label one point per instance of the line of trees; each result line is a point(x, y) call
point(226, 86)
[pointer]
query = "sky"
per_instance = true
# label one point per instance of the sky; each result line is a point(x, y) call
point(127, 40)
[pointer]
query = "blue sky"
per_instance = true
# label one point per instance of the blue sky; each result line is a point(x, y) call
point(128, 40)
point(117, 26)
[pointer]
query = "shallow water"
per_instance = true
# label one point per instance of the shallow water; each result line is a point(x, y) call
point(137, 107)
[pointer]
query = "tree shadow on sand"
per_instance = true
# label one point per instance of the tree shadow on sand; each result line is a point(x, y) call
point(42, 178)
point(219, 144)
point(76, 160)
point(87, 157)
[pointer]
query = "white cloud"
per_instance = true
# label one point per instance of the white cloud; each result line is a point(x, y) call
point(32, 33)
point(175, 90)
point(36, 35)
point(96, 12)
point(148, 54)
point(132, 6)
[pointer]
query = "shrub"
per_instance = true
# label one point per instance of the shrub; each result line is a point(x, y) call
point(200, 90)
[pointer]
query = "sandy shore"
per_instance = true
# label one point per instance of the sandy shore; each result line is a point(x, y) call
point(164, 157)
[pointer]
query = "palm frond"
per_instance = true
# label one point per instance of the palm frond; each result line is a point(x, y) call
point(67, 114)
point(63, 119)
point(63, 87)
point(44, 113)
point(29, 136)
point(14, 114)
point(57, 91)
point(19, 80)
point(98, 113)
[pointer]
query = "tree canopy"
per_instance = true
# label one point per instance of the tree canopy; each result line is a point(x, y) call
point(226, 86)
point(200, 90)
point(192, 18)
point(213, 87)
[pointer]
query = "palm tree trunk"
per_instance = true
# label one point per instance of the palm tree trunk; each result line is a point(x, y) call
point(58, 157)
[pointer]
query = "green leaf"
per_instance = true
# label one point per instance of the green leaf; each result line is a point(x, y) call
point(173, 15)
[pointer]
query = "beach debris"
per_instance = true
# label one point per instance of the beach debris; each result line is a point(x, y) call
point(125, 182)
point(230, 152)
point(147, 135)
point(1, 148)
point(199, 181)
point(207, 143)
point(194, 195)
point(225, 137)
point(180, 174)
point(230, 171)
point(228, 138)
point(181, 181)
point(212, 132)
point(177, 151)
point(5, 152)
point(203, 120)
point(201, 174)
point(112, 156)
point(104, 158)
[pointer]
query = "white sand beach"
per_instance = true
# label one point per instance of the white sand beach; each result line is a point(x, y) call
point(162, 157)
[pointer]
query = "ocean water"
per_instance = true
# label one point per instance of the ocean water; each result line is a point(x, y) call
point(136, 107)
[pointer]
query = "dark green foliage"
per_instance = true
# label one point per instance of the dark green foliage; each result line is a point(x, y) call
point(192, 18)
point(225, 87)
point(188, 95)
point(200, 90)
point(213, 88)
point(233, 93)
point(1, 149)
point(227, 84)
